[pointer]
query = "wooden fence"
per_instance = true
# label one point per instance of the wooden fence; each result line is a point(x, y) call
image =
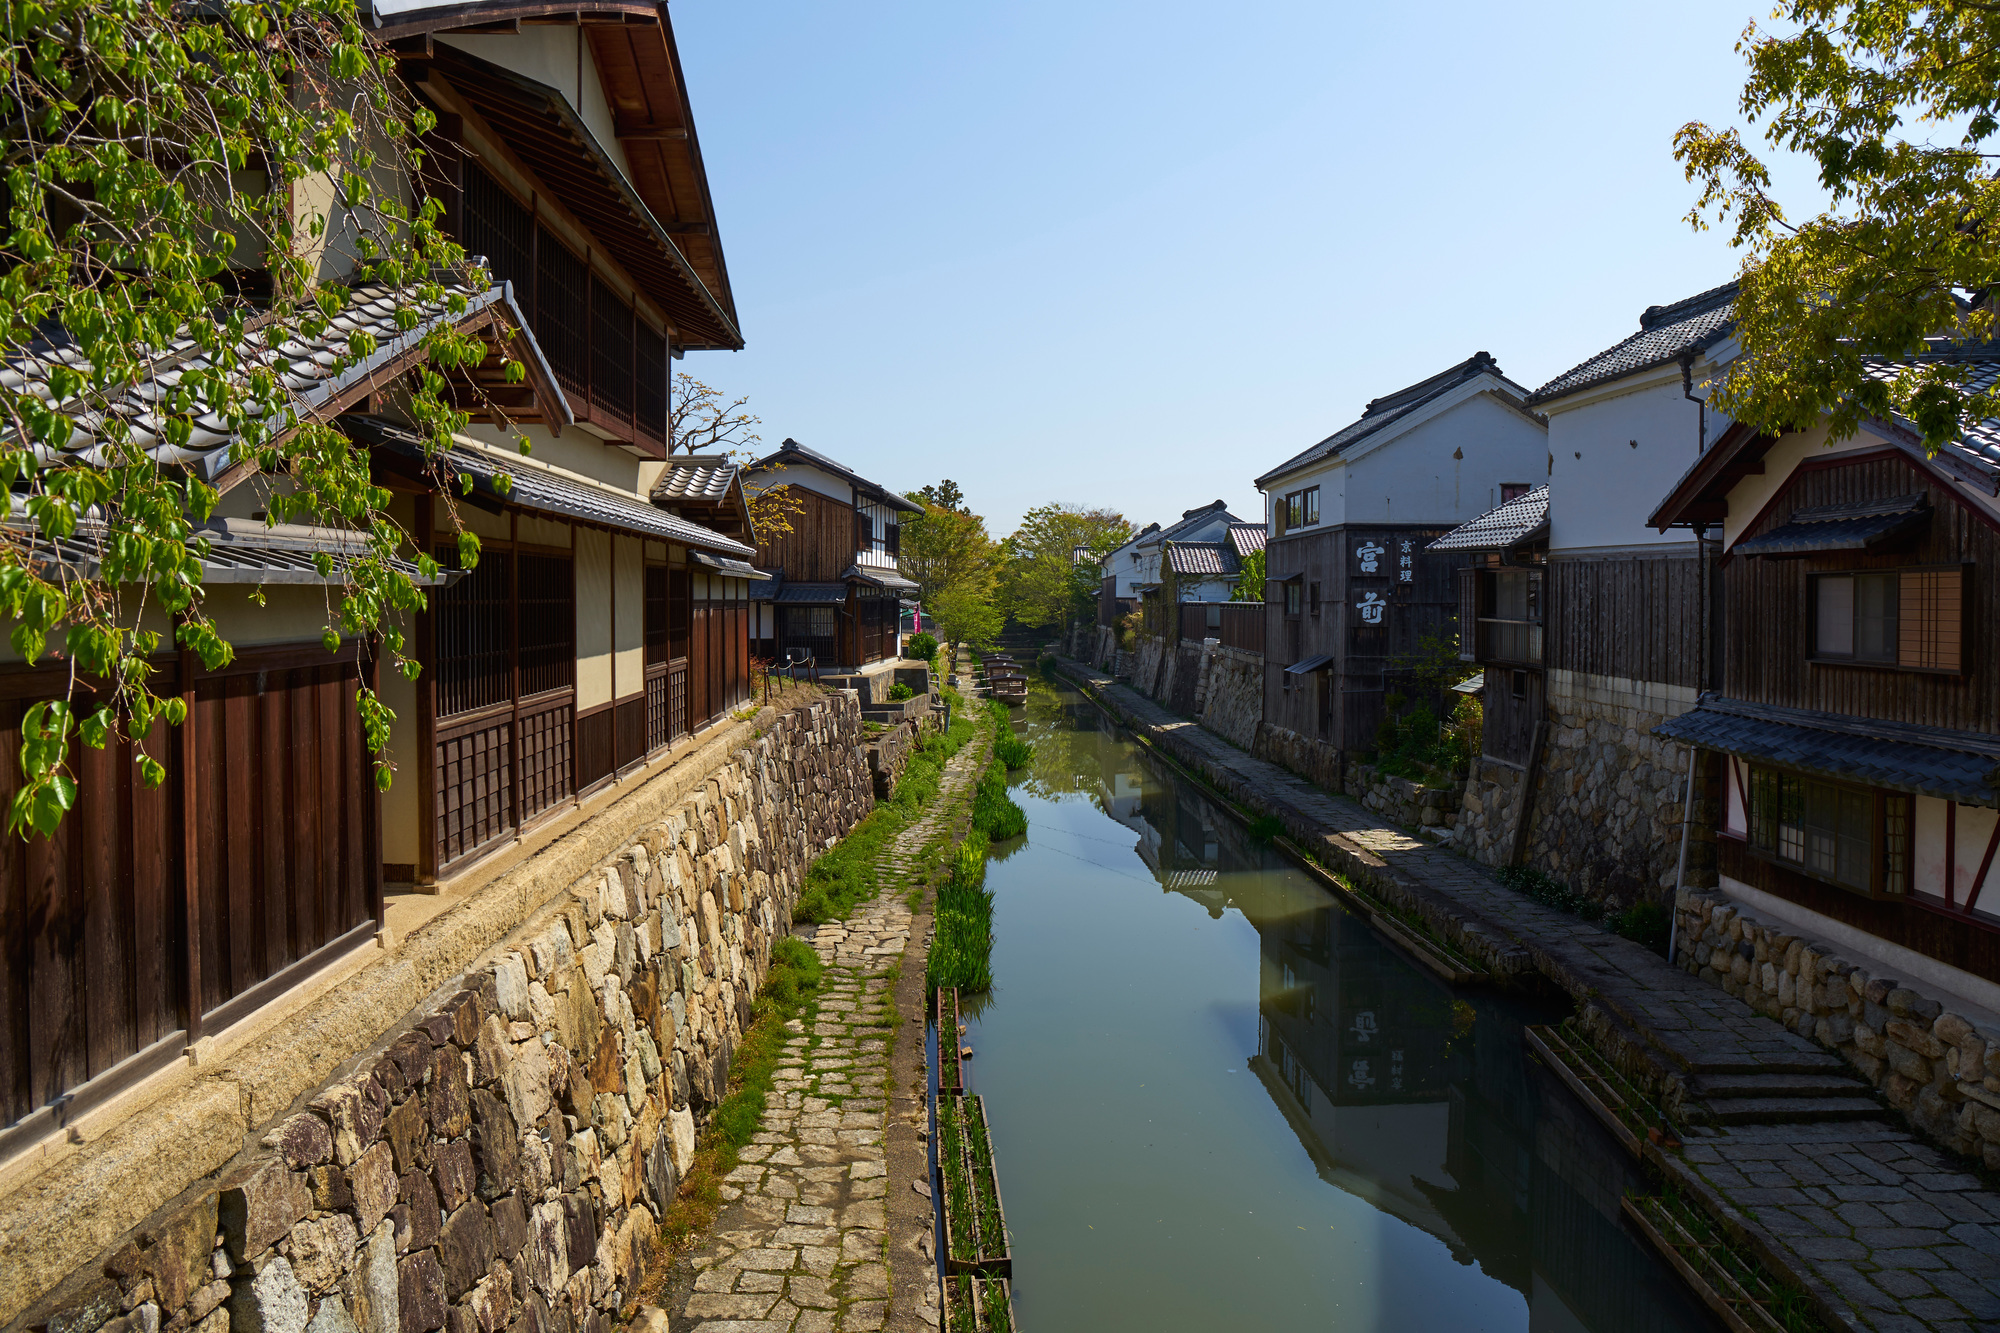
point(1235, 624)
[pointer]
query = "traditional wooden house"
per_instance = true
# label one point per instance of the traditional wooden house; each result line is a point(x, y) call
point(1351, 586)
point(596, 630)
point(1855, 711)
point(1205, 573)
point(1500, 623)
point(835, 596)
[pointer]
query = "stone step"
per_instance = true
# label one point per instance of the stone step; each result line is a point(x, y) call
point(1794, 1110)
point(1712, 1087)
point(1771, 1062)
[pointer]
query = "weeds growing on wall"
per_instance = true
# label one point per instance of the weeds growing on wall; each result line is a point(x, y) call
point(1643, 922)
point(962, 945)
point(791, 990)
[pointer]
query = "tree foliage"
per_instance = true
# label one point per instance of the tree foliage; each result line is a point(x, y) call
point(1048, 560)
point(965, 614)
point(182, 175)
point(1250, 579)
point(947, 546)
point(1895, 103)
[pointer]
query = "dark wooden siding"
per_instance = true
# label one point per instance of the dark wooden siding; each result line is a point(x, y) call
point(1510, 721)
point(156, 912)
point(1365, 654)
point(820, 546)
point(1636, 617)
point(1769, 617)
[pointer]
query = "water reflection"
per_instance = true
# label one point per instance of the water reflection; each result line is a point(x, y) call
point(1167, 1145)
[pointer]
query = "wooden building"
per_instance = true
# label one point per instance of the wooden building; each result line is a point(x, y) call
point(835, 595)
point(1351, 586)
point(596, 630)
point(1856, 711)
point(1500, 622)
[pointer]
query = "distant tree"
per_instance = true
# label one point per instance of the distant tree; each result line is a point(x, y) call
point(1250, 582)
point(964, 615)
point(946, 546)
point(1040, 584)
point(945, 495)
point(699, 421)
point(1907, 259)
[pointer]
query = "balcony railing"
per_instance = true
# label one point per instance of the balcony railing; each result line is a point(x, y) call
point(1510, 641)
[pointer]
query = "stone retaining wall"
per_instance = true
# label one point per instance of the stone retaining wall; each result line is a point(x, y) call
point(888, 752)
point(1608, 806)
point(1409, 804)
point(1233, 695)
point(1314, 760)
point(1937, 1068)
point(500, 1158)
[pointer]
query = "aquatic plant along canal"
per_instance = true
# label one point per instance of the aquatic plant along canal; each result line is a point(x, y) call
point(1217, 1100)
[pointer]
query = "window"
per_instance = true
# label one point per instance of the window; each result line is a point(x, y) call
point(1292, 598)
point(1513, 490)
point(1518, 687)
point(892, 539)
point(1911, 618)
point(1841, 834)
point(1314, 599)
point(864, 531)
point(1302, 508)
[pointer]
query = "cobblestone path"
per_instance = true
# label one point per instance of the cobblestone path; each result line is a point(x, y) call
point(801, 1245)
point(1875, 1218)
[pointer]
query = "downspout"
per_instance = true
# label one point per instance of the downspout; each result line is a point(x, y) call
point(1701, 657)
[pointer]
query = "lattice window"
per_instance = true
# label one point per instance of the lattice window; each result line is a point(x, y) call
point(610, 350)
point(679, 635)
point(474, 803)
point(562, 288)
point(499, 228)
point(650, 390)
point(548, 623)
point(547, 745)
point(472, 633)
point(658, 612)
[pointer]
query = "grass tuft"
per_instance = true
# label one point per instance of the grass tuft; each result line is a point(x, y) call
point(962, 947)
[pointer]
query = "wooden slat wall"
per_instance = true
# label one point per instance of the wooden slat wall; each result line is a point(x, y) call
point(1769, 619)
point(95, 922)
point(1636, 618)
point(820, 546)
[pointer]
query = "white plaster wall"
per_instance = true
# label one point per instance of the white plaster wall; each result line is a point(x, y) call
point(593, 617)
point(559, 57)
point(1446, 467)
point(629, 579)
point(573, 451)
point(1974, 828)
point(805, 476)
point(1601, 487)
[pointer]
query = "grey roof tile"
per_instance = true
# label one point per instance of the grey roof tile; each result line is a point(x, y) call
point(1930, 761)
point(696, 477)
point(1390, 408)
point(1510, 524)
point(793, 449)
point(1858, 526)
point(1217, 559)
point(1246, 537)
point(234, 550)
point(1666, 333)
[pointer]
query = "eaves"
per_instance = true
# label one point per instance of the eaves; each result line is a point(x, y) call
point(1639, 381)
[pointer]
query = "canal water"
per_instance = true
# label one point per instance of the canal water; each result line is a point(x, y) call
point(1218, 1102)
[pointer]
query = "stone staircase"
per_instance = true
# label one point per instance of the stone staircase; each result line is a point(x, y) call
point(1786, 1090)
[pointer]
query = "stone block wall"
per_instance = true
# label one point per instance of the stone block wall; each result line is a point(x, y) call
point(1233, 695)
point(888, 752)
point(1608, 806)
point(1147, 651)
point(1409, 804)
point(1314, 760)
point(1940, 1070)
point(499, 1160)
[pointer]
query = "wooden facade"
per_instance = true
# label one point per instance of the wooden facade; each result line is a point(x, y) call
point(156, 914)
point(820, 546)
point(1638, 617)
point(1342, 592)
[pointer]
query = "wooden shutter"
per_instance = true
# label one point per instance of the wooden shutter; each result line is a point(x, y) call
point(1930, 619)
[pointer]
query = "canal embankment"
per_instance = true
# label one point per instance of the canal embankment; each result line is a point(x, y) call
point(1877, 1225)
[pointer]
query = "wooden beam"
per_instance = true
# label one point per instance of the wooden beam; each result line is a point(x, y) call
point(665, 132)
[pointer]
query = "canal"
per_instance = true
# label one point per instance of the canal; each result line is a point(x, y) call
point(1220, 1102)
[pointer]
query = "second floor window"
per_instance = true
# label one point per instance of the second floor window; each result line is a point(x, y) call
point(1853, 837)
point(1301, 508)
point(1909, 618)
point(1512, 490)
point(1292, 598)
point(892, 539)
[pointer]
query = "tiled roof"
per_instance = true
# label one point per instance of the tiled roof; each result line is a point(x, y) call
point(1203, 558)
point(881, 578)
point(1979, 446)
point(1246, 537)
point(695, 477)
point(1930, 761)
point(233, 550)
point(793, 449)
point(1391, 408)
point(535, 487)
point(815, 594)
point(305, 367)
point(1666, 333)
point(1514, 522)
point(1860, 526)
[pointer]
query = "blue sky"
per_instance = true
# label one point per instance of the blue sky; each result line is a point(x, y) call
point(1133, 254)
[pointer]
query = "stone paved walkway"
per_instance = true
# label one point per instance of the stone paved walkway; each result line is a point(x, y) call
point(802, 1244)
point(1887, 1229)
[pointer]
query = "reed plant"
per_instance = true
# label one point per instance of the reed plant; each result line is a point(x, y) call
point(994, 812)
point(962, 946)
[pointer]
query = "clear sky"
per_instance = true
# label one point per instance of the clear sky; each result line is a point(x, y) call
point(1133, 254)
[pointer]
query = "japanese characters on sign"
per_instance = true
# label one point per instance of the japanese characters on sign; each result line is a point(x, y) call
point(1406, 571)
point(1370, 553)
point(1371, 606)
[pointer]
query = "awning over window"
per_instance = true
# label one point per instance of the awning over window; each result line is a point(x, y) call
point(1929, 761)
point(814, 594)
point(735, 569)
point(880, 578)
point(1309, 665)
point(1471, 684)
point(1861, 526)
point(239, 551)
